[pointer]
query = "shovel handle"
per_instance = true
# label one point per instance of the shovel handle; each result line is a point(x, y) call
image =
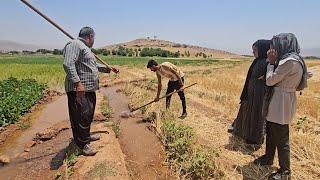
point(135, 109)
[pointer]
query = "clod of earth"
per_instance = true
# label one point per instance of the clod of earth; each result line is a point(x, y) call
point(24, 155)
point(49, 133)
point(29, 144)
point(99, 117)
point(4, 160)
point(118, 90)
point(126, 114)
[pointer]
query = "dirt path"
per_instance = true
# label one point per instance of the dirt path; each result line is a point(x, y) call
point(46, 160)
point(44, 119)
point(144, 153)
point(15, 145)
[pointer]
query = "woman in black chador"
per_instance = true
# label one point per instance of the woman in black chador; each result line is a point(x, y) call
point(250, 123)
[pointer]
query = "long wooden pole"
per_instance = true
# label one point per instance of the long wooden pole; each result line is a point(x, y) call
point(135, 109)
point(60, 28)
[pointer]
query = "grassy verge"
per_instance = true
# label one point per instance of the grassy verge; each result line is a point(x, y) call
point(106, 111)
point(190, 160)
point(69, 162)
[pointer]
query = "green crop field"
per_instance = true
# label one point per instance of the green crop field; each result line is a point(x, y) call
point(17, 97)
point(48, 69)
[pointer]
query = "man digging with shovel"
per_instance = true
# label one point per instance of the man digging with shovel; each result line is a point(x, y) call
point(176, 82)
point(82, 80)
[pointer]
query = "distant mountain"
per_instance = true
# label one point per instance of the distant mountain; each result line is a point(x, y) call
point(15, 46)
point(173, 47)
point(311, 52)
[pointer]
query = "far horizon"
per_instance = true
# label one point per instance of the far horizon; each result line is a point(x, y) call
point(229, 25)
point(305, 52)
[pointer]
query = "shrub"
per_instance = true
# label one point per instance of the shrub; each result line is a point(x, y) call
point(17, 97)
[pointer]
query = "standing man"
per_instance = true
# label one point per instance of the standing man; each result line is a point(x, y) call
point(81, 82)
point(286, 74)
point(176, 82)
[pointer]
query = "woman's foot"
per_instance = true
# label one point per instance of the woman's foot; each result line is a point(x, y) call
point(230, 129)
point(263, 161)
point(280, 174)
point(184, 115)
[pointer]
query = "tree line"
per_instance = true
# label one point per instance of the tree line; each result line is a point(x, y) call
point(121, 51)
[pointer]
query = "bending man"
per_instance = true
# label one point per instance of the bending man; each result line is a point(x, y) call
point(176, 82)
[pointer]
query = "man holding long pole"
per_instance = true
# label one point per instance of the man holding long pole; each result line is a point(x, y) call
point(82, 80)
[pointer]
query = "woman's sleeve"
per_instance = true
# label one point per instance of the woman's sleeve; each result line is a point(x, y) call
point(273, 77)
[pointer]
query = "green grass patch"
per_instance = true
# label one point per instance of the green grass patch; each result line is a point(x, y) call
point(106, 110)
point(102, 170)
point(116, 129)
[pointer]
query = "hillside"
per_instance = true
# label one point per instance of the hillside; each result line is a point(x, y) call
point(14, 46)
point(173, 47)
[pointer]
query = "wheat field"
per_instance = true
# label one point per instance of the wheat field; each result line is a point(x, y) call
point(213, 105)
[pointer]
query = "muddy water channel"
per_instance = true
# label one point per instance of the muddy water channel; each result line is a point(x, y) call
point(143, 150)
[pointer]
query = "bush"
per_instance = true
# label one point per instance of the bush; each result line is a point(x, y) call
point(157, 52)
point(44, 51)
point(194, 162)
point(17, 97)
point(57, 52)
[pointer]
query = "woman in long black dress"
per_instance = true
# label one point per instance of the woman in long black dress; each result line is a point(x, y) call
point(250, 123)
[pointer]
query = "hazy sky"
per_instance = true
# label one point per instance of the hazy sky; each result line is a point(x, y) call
point(231, 25)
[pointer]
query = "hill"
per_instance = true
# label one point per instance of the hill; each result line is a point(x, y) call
point(14, 46)
point(173, 47)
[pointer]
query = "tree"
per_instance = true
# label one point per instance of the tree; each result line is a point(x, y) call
point(122, 51)
point(105, 52)
point(14, 52)
point(28, 52)
point(136, 51)
point(57, 52)
point(176, 54)
point(144, 52)
point(43, 51)
point(114, 52)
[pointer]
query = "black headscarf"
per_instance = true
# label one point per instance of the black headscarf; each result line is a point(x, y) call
point(263, 46)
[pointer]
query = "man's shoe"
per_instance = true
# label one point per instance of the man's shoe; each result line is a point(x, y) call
point(280, 174)
point(88, 151)
point(184, 115)
point(263, 161)
point(230, 129)
point(94, 137)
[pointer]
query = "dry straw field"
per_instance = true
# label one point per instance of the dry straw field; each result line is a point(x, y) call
point(213, 104)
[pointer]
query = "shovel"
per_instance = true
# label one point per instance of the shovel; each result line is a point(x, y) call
point(128, 114)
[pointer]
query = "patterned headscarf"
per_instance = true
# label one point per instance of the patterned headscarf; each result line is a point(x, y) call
point(287, 47)
point(285, 44)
